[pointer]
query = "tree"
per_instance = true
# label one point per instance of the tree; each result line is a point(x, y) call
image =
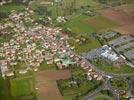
point(103, 1)
point(3, 15)
point(41, 10)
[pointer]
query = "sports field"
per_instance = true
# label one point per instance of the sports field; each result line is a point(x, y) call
point(4, 89)
point(22, 86)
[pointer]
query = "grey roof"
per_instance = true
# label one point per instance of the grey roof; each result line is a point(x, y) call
point(105, 52)
point(130, 55)
point(121, 40)
point(124, 44)
point(109, 35)
point(127, 46)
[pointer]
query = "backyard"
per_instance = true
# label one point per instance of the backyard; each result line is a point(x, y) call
point(45, 66)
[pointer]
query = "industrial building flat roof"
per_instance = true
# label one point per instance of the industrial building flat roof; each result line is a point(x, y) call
point(127, 46)
point(130, 55)
point(109, 35)
point(121, 40)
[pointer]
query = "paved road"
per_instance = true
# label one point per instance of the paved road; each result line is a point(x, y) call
point(106, 83)
point(94, 93)
point(130, 88)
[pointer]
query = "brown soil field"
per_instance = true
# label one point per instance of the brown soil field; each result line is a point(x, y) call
point(52, 75)
point(96, 23)
point(99, 24)
point(48, 91)
point(46, 85)
point(125, 29)
point(118, 16)
point(129, 9)
point(123, 15)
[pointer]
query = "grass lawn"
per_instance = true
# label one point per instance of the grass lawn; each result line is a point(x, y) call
point(124, 69)
point(4, 90)
point(7, 8)
point(102, 97)
point(22, 86)
point(45, 66)
point(100, 23)
point(78, 25)
point(68, 97)
point(90, 43)
point(84, 24)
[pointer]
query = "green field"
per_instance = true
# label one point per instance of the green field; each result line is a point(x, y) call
point(78, 25)
point(22, 86)
point(102, 97)
point(9, 7)
point(85, 24)
point(6, 9)
point(4, 90)
point(89, 44)
point(80, 3)
point(102, 65)
point(58, 9)
point(100, 23)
